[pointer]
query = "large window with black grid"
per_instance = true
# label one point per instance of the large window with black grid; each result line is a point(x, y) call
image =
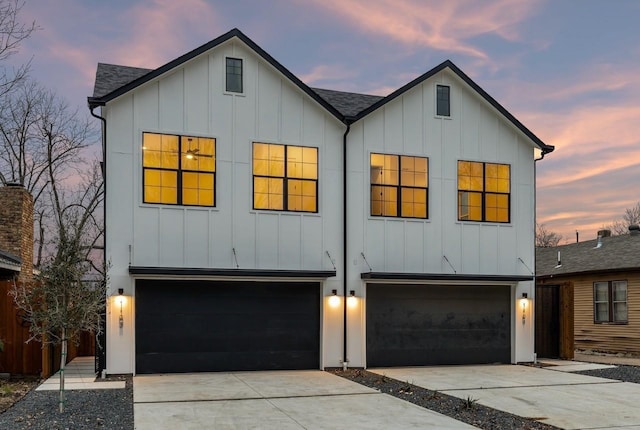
point(399, 186)
point(285, 177)
point(484, 192)
point(178, 170)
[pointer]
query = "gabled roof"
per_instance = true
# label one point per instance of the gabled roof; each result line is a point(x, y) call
point(101, 100)
point(113, 81)
point(449, 64)
point(617, 254)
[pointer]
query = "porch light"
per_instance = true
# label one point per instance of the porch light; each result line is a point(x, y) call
point(334, 300)
point(352, 300)
point(121, 301)
point(524, 301)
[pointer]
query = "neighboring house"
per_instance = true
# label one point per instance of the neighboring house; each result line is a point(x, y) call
point(16, 266)
point(590, 292)
point(253, 222)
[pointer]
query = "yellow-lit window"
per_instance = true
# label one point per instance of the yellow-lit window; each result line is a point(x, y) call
point(399, 186)
point(285, 177)
point(178, 170)
point(484, 191)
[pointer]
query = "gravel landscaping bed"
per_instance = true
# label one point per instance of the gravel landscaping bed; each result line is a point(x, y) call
point(85, 409)
point(619, 373)
point(468, 410)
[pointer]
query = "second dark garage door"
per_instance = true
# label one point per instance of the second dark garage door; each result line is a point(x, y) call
point(414, 325)
point(194, 326)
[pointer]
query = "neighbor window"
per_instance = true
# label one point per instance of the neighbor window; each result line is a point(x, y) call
point(484, 191)
point(234, 75)
point(178, 170)
point(285, 177)
point(610, 301)
point(443, 102)
point(399, 186)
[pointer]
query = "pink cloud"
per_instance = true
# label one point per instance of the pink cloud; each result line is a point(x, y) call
point(163, 29)
point(327, 72)
point(444, 26)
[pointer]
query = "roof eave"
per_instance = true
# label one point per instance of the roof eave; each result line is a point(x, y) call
point(588, 272)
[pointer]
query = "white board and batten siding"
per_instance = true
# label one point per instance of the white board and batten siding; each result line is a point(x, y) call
point(191, 100)
point(475, 132)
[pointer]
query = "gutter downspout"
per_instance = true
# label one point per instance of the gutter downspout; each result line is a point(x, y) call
point(345, 361)
point(535, 223)
point(102, 360)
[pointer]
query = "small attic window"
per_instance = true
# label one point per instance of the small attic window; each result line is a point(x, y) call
point(234, 75)
point(443, 102)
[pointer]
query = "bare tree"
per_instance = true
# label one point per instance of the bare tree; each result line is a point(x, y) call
point(546, 238)
point(621, 226)
point(68, 296)
point(41, 140)
point(12, 33)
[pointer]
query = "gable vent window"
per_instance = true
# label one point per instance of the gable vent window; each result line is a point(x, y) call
point(443, 101)
point(234, 75)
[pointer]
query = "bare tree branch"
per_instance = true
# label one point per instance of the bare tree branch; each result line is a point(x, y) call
point(546, 238)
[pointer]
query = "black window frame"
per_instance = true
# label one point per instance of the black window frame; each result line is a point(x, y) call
point(179, 171)
point(231, 71)
point(399, 187)
point(443, 104)
point(483, 193)
point(285, 180)
point(611, 302)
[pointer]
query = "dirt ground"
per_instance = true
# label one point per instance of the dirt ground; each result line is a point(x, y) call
point(12, 391)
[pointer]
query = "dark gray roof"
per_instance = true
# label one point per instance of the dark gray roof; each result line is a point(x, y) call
point(110, 77)
point(617, 253)
point(348, 104)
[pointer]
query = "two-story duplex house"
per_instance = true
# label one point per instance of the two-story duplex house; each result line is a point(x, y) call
point(253, 222)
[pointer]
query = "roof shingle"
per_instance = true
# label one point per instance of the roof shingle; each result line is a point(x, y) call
point(616, 253)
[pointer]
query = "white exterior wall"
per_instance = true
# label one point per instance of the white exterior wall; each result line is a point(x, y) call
point(474, 132)
point(191, 100)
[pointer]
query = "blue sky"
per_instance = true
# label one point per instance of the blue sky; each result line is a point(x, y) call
point(568, 69)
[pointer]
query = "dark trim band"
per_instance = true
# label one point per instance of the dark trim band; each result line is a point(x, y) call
point(442, 277)
point(254, 273)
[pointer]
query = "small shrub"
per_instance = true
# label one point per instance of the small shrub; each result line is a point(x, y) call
point(469, 403)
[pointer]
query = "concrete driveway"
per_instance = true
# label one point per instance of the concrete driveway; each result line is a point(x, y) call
point(272, 400)
point(556, 397)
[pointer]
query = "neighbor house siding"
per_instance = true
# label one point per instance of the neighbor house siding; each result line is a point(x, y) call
point(608, 337)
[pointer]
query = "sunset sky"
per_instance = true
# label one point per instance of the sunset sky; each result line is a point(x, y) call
point(568, 69)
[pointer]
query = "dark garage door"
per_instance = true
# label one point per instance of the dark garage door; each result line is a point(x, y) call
point(411, 325)
point(193, 326)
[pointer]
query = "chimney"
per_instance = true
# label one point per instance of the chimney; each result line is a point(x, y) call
point(634, 229)
point(16, 226)
point(604, 233)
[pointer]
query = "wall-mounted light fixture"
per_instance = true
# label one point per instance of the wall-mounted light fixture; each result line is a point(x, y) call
point(524, 301)
point(334, 300)
point(352, 300)
point(121, 303)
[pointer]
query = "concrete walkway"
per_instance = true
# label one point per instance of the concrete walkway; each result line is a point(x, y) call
point(278, 400)
point(560, 398)
point(607, 359)
point(79, 374)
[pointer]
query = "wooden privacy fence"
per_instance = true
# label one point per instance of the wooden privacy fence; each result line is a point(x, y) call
point(20, 358)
